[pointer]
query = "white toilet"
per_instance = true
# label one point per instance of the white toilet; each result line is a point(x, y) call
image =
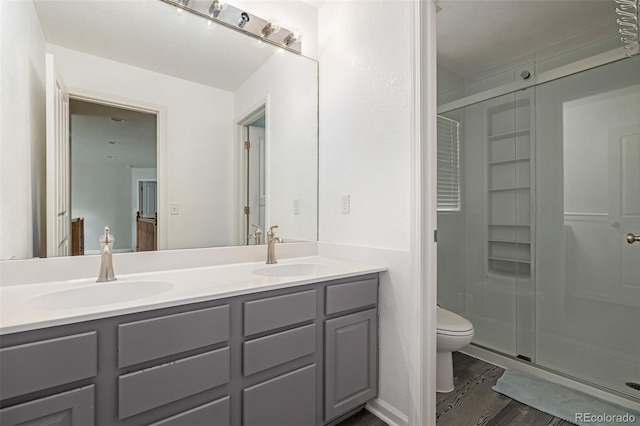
point(453, 334)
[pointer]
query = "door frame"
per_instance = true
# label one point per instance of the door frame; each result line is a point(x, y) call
point(258, 109)
point(160, 112)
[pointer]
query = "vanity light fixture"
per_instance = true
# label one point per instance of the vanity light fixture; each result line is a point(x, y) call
point(237, 19)
point(216, 7)
point(291, 38)
point(243, 19)
point(118, 119)
point(113, 143)
point(269, 29)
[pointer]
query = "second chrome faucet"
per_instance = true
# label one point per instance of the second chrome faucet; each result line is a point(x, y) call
point(271, 244)
point(106, 258)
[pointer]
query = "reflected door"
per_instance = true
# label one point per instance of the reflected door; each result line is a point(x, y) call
point(58, 187)
point(255, 175)
point(148, 198)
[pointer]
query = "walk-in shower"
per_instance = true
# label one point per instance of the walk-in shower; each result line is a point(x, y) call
point(539, 185)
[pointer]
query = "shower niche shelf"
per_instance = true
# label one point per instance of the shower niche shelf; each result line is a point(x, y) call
point(508, 185)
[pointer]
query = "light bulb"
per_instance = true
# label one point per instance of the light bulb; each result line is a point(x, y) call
point(270, 28)
point(292, 38)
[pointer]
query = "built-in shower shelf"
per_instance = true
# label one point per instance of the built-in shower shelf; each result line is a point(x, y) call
point(516, 188)
point(508, 183)
point(511, 160)
point(507, 135)
point(507, 259)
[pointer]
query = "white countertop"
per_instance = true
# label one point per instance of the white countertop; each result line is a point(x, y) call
point(22, 309)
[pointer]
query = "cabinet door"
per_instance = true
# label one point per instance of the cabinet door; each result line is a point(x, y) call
point(73, 408)
point(351, 362)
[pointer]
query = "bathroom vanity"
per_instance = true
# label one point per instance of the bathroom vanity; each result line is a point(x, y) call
point(299, 350)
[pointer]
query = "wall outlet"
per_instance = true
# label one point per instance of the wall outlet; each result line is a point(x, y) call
point(173, 208)
point(296, 206)
point(345, 205)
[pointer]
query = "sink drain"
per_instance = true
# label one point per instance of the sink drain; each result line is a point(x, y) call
point(633, 385)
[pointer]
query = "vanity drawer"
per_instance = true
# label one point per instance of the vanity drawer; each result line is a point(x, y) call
point(276, 349)
point(280, 311)
point(40, 365)
point(147, 389)
point(358, 294)
point(287, 400)
point(75, 407)
point(155, 338)
point(215, 413)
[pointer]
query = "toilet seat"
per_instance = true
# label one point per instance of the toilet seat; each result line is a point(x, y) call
point(451, 324)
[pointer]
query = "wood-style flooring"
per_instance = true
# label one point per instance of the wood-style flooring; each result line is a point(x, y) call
point(473, 403)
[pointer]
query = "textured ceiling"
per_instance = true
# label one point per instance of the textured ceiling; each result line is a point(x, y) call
point(477, 35)
point(92, 129)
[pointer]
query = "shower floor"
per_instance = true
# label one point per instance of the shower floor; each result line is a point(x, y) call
point(473, 402)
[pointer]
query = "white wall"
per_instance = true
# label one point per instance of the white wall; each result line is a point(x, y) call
point(291, 140)
point(103, 200)
point(199, 141)
point(450, 85)
point(586, 127)
point(365, 55)
point(22, 130)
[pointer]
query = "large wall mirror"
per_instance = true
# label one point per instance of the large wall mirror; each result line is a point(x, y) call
point(161, 106)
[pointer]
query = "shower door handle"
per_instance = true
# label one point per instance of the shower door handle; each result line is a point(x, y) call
point(631, 238)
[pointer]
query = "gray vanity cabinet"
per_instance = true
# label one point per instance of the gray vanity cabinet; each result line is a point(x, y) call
point(299, 356)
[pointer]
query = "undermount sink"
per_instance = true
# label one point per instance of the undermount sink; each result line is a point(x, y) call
point(293, 270)
point(98, 294)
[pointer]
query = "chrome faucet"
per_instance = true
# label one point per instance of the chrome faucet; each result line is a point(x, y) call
point(271, 245)
point(256, 235)
point(106, 258)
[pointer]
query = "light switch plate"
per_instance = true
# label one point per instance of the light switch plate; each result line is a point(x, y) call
point(346, 204)
point(173, 208)
point(296, 207)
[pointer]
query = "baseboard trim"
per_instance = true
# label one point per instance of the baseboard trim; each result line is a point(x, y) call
point(387, 413)
point(507, 362)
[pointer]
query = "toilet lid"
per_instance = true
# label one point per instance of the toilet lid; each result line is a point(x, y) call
point(448, 321)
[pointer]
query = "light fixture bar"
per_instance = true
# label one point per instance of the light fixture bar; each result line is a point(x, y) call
point(244, 22)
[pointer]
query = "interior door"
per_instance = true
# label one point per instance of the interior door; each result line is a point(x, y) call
point(148, 198)
point(58, 184)
point(255, 175)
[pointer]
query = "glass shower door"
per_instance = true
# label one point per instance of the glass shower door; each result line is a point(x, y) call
point(588, 200)
point(486, 247)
